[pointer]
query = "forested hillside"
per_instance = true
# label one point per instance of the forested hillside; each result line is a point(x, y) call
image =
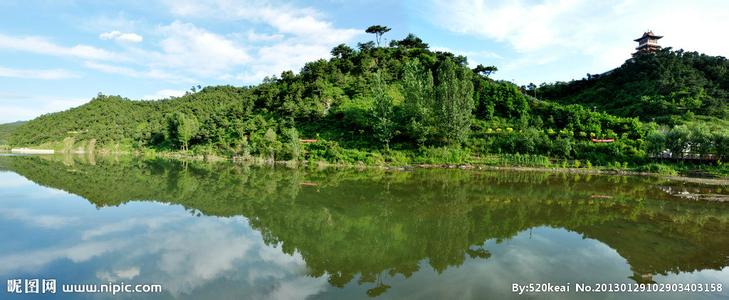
point(396, 104)
point(6, 130)
point(668, 87)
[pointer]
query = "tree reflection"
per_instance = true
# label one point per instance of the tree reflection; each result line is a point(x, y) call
point(360, 224)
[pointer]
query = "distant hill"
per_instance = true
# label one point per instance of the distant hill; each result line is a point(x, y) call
point(7, 129)
point(667, 87)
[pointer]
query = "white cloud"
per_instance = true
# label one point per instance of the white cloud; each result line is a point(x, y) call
point(263, 37)
point(197, 50)
point(42, 46)
point(184, 51)
point(164, 94)
point(118, 275)
point(37, 74)
point(302, 23)
point(279, 37)
point(272, 60)
point(42, 220)
point(273, 38)
point(130, 72)
point(106, 22)
point(553, 31)
point(121, 36)
point(33, 259)
point(300, 34)
point(474, 57)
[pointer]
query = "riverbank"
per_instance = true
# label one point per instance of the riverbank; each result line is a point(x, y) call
point(556, 168)
point(402, 160)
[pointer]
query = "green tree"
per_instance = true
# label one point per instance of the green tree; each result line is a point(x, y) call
point(721, 144)
point(656, 142)
point(678, 140)
point(342, 51)
point(293, 144)
point(701, 140)
point(453, 102)
point(382, 112)
point(378, 31)
point(562, 147)
point(270, 144)
point(485, 71)
point(417, 83)
point(182, 128)
point(411, 42)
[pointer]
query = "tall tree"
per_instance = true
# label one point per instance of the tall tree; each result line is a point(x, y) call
point(182, 128)
point(382, 112)
point(454, 102)
point(655, 143)
point(417, 83)
point(270, 143)
point(678, 140)
point(378, 31)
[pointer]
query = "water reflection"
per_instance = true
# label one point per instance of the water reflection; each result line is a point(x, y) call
point(227, 231)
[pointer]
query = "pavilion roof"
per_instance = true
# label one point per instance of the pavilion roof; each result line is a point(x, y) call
point(648, 34)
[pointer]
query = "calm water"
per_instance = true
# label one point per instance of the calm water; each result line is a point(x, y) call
point(220, 231)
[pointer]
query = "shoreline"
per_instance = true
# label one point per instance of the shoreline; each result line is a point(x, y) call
point(698, 180)
point(464, 166)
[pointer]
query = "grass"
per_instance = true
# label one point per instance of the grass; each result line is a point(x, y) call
point(515, 160)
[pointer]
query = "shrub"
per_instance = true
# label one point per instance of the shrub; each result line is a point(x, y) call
point(324, 150)
point(657, 168)
point(397, 158)
point(443, 155)
point(526, 160)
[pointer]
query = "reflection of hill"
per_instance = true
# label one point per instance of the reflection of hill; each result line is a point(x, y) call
point(351, 222)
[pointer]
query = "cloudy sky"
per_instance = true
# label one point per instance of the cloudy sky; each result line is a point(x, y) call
point(58, 54)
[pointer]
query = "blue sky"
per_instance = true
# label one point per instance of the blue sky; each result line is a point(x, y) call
point(58, 54)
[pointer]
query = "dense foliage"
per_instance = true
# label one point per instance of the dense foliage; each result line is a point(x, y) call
point(398, 104)
point(667, 87)
point(6, 130)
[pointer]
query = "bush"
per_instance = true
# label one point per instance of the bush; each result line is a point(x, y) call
point(526, 160)
point(397, 158)
point(352, 156)
point(204, 150)
point(324, 150)
point(657, 168)
point(443, 155)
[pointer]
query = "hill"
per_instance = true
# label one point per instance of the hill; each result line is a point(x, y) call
point(7, 129)
point(668, 87)
point(399, 104)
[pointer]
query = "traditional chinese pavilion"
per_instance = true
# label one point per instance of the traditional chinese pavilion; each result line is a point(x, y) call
point(648, 43)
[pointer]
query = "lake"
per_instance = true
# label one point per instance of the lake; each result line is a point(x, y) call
point(227, 231)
